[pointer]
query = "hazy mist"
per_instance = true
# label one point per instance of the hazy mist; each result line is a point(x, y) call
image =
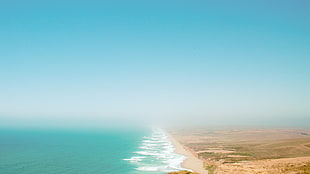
point(96, 64)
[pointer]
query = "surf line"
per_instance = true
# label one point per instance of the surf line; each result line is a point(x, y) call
point(157, 153)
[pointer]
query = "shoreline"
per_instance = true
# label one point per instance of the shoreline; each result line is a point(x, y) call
point(191, 162)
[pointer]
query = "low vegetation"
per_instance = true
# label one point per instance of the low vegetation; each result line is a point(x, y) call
point(238, 147)
point(211, 169)
point(259, 151)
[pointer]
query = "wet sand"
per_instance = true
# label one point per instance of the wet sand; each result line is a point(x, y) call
point(191, 162)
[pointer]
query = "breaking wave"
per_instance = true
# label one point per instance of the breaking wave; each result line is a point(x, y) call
point(156, 154)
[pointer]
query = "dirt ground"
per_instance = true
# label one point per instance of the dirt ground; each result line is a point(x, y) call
point(248, 150)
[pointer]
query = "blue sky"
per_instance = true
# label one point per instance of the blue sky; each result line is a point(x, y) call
point(94, 60)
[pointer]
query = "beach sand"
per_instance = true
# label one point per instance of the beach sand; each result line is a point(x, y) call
point(191, 162)
point(245, 151)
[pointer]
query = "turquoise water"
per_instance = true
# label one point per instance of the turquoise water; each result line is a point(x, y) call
point(105, 152)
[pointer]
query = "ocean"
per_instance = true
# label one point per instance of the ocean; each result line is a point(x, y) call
point(87, 152)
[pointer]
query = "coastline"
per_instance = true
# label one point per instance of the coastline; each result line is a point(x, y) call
point(191, 162)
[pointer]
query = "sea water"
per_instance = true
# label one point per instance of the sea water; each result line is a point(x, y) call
point(87, 152)
point(156, 155)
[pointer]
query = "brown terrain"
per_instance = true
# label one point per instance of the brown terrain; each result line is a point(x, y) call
point(237, 151)
point(183, 172)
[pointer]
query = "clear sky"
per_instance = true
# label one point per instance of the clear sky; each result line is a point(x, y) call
point(228, 61)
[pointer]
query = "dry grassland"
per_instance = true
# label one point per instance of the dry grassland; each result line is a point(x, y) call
point(249, 150)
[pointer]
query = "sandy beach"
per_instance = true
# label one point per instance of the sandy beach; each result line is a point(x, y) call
point(191, 162)
point(245, 151)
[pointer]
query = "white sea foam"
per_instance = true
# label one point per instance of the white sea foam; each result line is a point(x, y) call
point(156, 154)
point(135, 158)
point(148, 168)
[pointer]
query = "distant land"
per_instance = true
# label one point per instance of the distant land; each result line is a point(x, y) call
point(248, 150)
